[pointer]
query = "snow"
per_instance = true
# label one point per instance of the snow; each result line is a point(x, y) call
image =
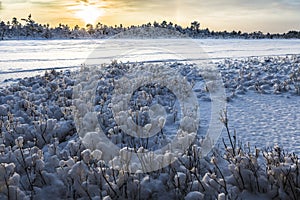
point(45, 154)
point(194, 196)
point(30, 57)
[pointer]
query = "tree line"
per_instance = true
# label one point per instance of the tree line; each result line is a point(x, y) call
point(30, 29)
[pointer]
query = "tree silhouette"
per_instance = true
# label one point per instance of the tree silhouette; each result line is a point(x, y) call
point(16, 30)
point(90, 29)
point(2, 29)
point(195, 26)
point(164, 24)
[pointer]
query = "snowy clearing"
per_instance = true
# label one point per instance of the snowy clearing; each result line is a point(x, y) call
point(43, 157)
point(277, 112)
point(29, 57)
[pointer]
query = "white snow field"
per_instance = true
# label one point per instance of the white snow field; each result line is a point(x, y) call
point(29, 57)
point(42, 157)
point(259, 119)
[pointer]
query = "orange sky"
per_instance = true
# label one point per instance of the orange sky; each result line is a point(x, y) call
point(267, 16)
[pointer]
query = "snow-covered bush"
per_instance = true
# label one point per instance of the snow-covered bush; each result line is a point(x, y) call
point(42, 156)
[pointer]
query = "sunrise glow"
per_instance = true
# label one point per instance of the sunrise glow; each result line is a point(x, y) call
point(89, 14)
point(215, 15)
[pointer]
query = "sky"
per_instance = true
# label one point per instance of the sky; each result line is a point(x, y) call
point(274, 16)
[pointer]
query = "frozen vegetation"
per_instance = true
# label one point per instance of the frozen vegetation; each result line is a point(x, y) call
point(30, 29)
point(42, 156)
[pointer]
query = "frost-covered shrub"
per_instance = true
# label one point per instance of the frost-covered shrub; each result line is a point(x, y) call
point(42, 156)
point(277, 176)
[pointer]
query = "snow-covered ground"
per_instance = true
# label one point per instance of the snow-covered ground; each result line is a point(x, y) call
point(29, 57)
point(44, 157)
point(259, 119)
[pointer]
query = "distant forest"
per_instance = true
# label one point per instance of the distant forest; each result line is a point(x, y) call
point(30, 29)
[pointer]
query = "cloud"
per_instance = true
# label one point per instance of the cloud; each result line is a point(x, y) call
point(13, 1)
point(291, 2)
point(202, 7)
point(45, 2)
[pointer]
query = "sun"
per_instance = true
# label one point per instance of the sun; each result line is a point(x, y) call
point(88, 13)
